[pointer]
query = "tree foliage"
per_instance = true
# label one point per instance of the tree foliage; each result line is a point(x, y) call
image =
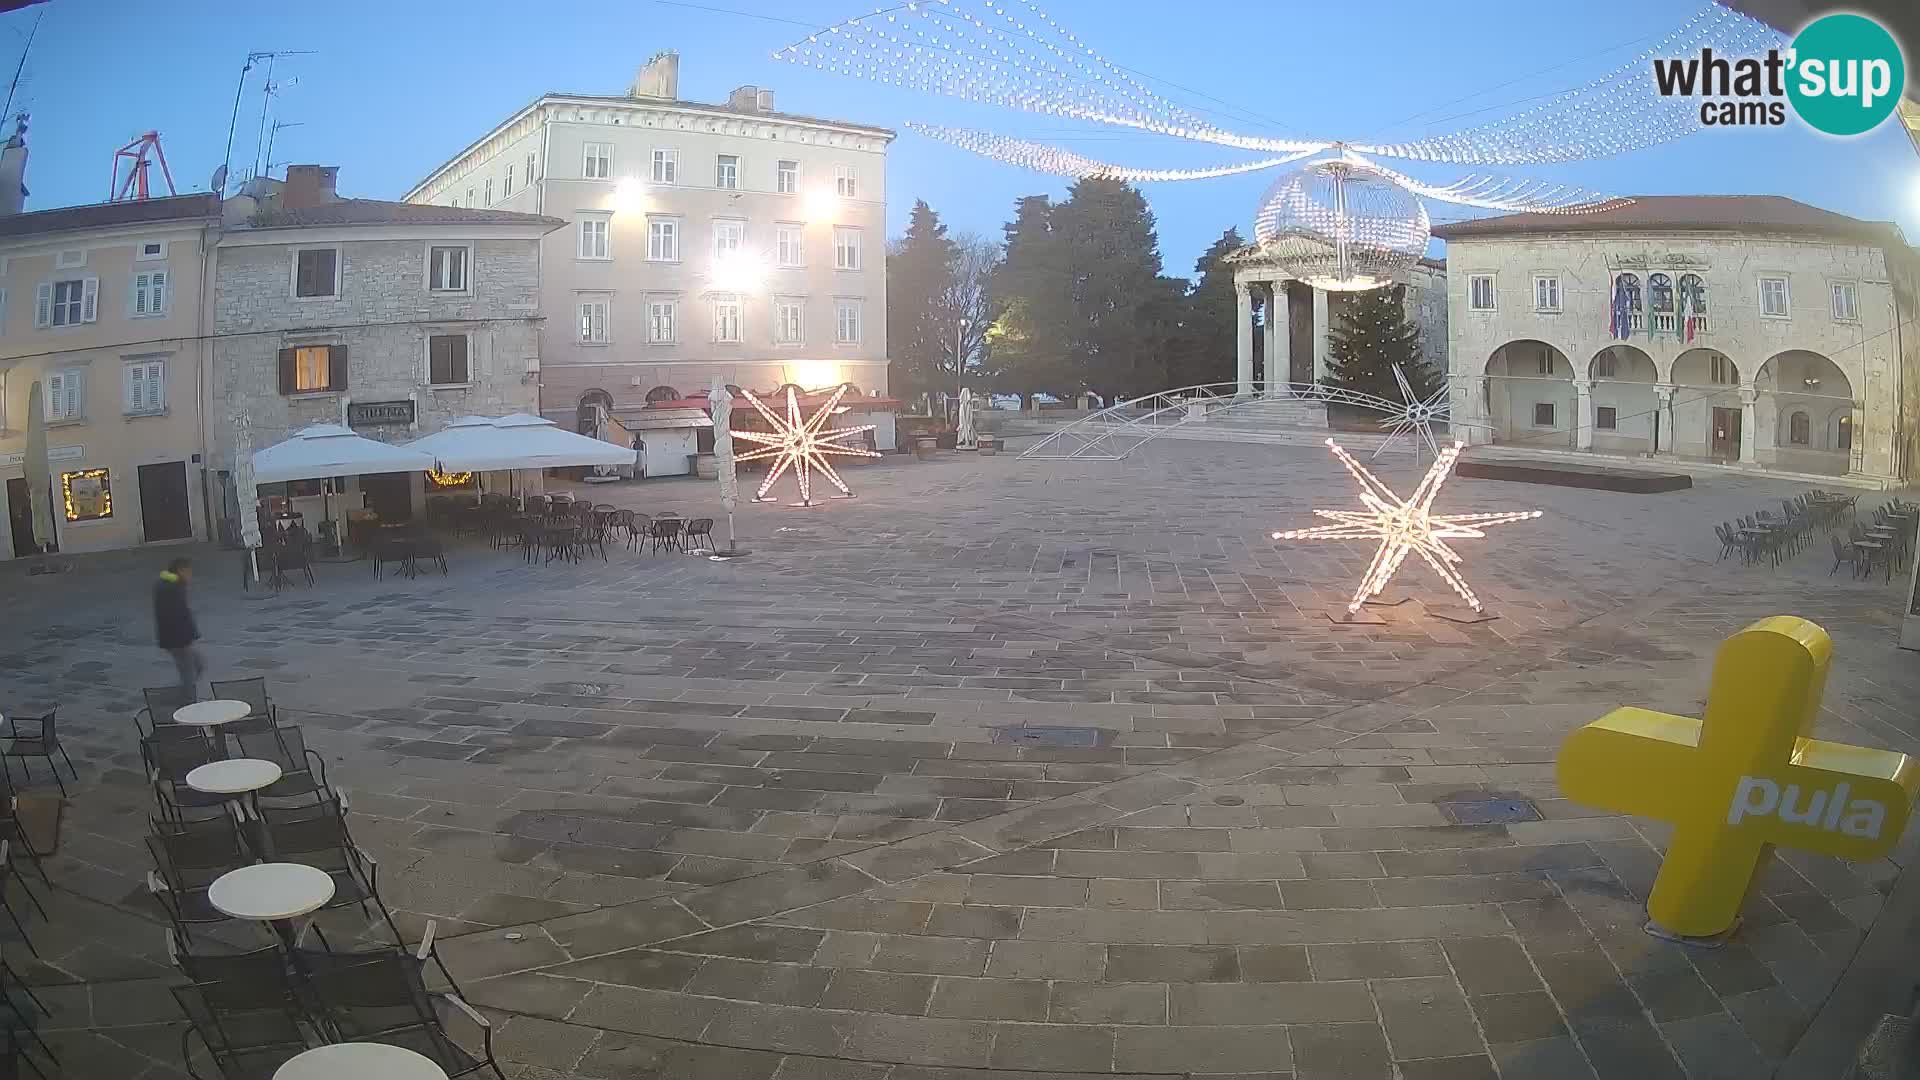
point(1206, 347)
point(1375, 336)
point(919, 269)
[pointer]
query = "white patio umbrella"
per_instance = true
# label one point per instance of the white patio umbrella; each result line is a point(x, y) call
point(720, 409)
point(323, 450)
point(966, 438)
point(516, 441)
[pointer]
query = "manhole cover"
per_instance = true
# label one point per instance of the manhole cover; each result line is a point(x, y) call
point(1490, 811)
point(588, 689)
point(1229, 800)
point(1047, 736)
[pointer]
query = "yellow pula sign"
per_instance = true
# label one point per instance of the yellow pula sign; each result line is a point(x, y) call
point(1742, 779)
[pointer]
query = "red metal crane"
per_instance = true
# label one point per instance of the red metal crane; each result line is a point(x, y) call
point(138, 154)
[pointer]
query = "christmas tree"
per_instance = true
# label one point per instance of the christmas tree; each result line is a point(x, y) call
point(1374, 337)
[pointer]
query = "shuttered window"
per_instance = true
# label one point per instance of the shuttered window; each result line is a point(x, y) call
point(146, 387)
point(447, 359)
point(149, 293)
point(67, 394)
point(313, 369)
point(66, 303)
point(316, 272)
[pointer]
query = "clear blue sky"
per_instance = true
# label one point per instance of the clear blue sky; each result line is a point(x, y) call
point(393, 89)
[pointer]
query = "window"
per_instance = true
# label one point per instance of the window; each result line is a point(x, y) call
point(1543, 361)
point(470, 200)
point(1799, 429)
point(726, 317)
point(146, 386)
point(1479, 292)
point(316, 271)
point(1843, 434)
point(447, 268)
point(152, 249)
point(1546, 293)
point(489, 190)
point(447, 360)
point(313, 369)
point(846, 322)
point(598, 162)
point(149, 294)
point(531, 158)
point(663, 321)
point(1605, 418)
point(66, 392)
point(846, 248)
point(729, 236)
point(788, 325)
point(786, 177)
point(506, 183)
point(663, 239)
point(1846, 302)
point(595, 239)
point(87, 495)
point(726, 172)
point(1660, 295)
point(1605, 366)
point(454, 202)
point(66, 303)
point(666, 166)
point(1720, 371)
point(593, 321)
point(1773, 297)
point(846, 181)
point(1543, 414)
point(787, 250)
point(69, 259)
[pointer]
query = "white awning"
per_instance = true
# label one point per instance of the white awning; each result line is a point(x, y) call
point(325, 450)
point(518, 441)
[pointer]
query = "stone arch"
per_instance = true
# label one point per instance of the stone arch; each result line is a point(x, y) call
point(1529, 394)
point(1801, 399)
point(1705, 379)
point(1625, 409)
point(662, 392)
point(594, 408)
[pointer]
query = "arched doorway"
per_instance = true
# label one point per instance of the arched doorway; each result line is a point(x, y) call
point(591, 416)
point(1707, 419)
point(1805, 413)
point(1530, 398)
point(662, 393)
point(1626, 413)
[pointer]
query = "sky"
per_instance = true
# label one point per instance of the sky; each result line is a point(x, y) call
point(388, 91)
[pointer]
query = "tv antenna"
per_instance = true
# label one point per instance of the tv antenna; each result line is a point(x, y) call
point(225, 171)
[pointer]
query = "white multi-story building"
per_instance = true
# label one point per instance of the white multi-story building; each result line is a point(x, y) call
point(1746, 329)
point(702, 240)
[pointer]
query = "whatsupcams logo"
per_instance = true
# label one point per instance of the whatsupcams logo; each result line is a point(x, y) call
point(1843, 75)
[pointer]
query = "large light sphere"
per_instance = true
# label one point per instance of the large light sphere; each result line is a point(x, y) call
point(1342, 226)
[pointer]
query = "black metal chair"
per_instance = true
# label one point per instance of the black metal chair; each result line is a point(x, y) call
point(6, 878)
point(34, 737)
point(248, 1039)
point(664, 532)
point(380, 997)
point(302, 772)
point(700, 530)
point(25, 1005)
point(12, 829)
point(262, 713)
point(321, 840)
point(169, 760)
point(161, 703)
point(188, 859)
point(639, 527)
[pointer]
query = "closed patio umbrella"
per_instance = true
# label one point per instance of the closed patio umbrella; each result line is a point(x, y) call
point(39, 471)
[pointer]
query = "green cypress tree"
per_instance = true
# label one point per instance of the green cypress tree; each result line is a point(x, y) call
point(1373, 337)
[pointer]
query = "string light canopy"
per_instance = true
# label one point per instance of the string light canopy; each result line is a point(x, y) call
point(1012, 54)
point(1340, 225)
point(1405, 526)
point(802, 446)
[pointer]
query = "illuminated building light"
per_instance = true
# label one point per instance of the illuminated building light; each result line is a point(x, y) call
point(86, 494)
point(1405, 526)
point(448, 479)
point(802, 446)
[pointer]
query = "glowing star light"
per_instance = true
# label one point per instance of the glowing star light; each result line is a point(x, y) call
point(1404, 525)
point(800, 445)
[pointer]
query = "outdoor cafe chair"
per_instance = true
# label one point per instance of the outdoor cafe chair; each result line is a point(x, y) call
point(245, 1043)
point(34, 737)
point(639, 527)
point(26, 1007)
point(428, 546)
point(7, 878)
point(1867, 552)
point(665, 532)
point(322, 842)
point(262, 713)
point(161, 701)
point(12, 829)
point(700, 529)
point(302, 772)
point(380, 997)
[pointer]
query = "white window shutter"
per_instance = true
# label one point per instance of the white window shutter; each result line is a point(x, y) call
point(56, 393)
point(89, 299)
point(157, 292)
point(43, 305)
point(76, 389)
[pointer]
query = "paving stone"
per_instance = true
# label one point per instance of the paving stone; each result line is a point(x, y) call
point(974, 920)
point(1096, 1003)
point(1172, 963)
point(1269, 1003)
point(477, 956)
point(812, 1068)
point(931, 955)
point(1627, 1047)
point(1714, 1047)
point(878, 991)
point(1219, 895)
point(990, 999)
point(780, 984)
point(1276, 963)
point(759, 941)
point(1471, 1067)
point(1047, 960)
point(920, 1040)
point(1491, 966)
point(1511, 1018)
point(621, 927)
point(1340, 1052)
point(1209, 1049)
point(645, 1012)
point(1772, 1019)
point(777, 1027)
point(1052, 1047)
point(1377, 960)
point(1587, 986)
point(1674, 994)
point(1426, 1017)
point(846, 948)
point(780, 890)
point(1558, 1058)
point(635, 967)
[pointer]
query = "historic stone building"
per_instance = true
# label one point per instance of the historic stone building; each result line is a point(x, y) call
point(1292, 340)
point(1744, 329)
point(387, 317)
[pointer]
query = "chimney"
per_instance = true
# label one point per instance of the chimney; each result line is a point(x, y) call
point(659, 77)
point(309, 185)
point(750, 99)
point(13, 171)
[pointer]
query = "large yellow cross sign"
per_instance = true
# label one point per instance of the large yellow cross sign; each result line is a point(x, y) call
point(1743, 778)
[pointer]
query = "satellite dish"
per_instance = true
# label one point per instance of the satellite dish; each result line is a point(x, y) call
point(218, 185)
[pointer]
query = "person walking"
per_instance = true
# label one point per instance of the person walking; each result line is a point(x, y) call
point(173, 624)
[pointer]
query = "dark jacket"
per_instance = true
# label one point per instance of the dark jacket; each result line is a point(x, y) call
point(172, 621)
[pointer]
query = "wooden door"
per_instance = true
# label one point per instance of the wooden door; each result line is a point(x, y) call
point(1726, 433)
point(164, 513)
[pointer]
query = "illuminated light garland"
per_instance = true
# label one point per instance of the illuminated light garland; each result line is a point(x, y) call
point(800, 445)
point(1405, 525)
point(1341, 225)
point(447, 479)
point(102, 478)
point(1051, 159)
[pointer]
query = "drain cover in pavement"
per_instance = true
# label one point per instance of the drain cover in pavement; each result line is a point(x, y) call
point(1047, 736)
point(1490, 811)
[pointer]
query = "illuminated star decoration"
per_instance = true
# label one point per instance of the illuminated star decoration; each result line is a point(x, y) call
point(1404, 525)
point(800, 445)
point(1417, 417)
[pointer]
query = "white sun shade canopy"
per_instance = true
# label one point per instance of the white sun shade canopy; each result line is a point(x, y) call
point(324, 450)
point(517, 441)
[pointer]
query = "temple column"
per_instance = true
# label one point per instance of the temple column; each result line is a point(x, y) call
point(1322, 336)
point(1749, 426)
point(1243, 340)
point(1663, 419)
point(1583, 414)
point(1277, 341)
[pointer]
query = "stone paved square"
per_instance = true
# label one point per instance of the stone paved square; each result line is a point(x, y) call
point(774, 817)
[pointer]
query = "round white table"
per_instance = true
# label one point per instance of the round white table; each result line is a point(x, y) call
point(211, 714)
point(235, 776)
point(274, 892)
point(362, 1061)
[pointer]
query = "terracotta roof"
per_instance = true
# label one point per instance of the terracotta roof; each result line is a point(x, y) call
point(1689, 213)
point(382, 212)
point(107, 215)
